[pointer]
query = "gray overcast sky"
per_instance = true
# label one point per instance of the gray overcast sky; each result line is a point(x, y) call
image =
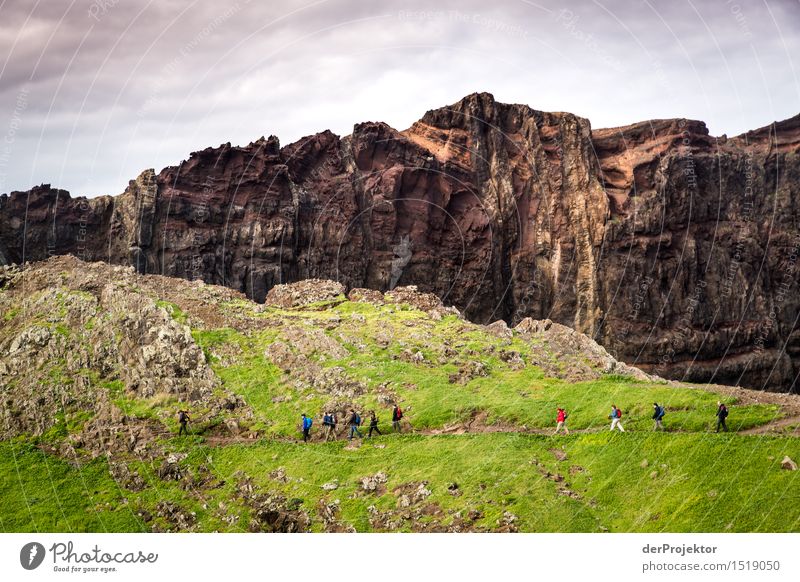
point(93, 92)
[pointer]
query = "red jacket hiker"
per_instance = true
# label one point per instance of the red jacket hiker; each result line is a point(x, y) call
point(561, 420)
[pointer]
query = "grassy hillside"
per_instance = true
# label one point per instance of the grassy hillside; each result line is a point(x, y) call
point(605, 482)
point(90, 439)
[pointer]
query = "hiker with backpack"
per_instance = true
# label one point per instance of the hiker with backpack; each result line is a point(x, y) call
point(306, 425)
point(561, 421)
point(397, 416)
point(615, 415)
point(355, 422)
point(722, 414)
point(658, 416)
point(373, 424)
point(334, 422)
point(329, 422)
point(183, 419)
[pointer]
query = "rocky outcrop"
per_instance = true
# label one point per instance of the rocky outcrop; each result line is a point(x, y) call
point(304, 293)
point(80, 338)
point(675, 250)
point(575, 356)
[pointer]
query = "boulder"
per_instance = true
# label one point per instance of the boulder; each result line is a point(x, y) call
point(304, 293)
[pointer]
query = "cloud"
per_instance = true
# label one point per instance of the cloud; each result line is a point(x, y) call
point(115, 86)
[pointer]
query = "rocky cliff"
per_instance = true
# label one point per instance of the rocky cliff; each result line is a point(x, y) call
point(674, 249)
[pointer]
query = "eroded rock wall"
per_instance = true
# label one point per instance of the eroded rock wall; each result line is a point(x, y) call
point(674, 249)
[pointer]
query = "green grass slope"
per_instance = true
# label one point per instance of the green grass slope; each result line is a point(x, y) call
point(476, 452)
point(586, 483)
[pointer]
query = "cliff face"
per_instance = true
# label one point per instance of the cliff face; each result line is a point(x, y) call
point(676, 250)
point(702, 249)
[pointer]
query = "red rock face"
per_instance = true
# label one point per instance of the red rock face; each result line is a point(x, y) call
point(675, 250)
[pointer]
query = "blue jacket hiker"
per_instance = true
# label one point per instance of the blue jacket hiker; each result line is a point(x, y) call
point(307, 422)
point(658, 415)
point(355, 422)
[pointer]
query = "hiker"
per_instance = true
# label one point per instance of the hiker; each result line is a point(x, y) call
point(373, 424)
point(183, 419)
point(397, 416)
point(355, 422)
point(561, 421)
point(615, 415)
point(329, 422)
point(722, 414)
point(307, 422)
point(658, 416)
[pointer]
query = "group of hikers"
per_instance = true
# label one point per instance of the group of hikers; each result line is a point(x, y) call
point(354, 422)
point(658, 417)
point(329, 423)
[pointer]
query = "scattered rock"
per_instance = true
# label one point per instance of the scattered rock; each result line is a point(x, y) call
point(279, 475)
point(507, 523)
point(304, 293)
point(366, 296)
point(170, 469)
point(468, 371)
point(174, 458)
point(411, 296)
point(176, 516)
point(373, 483)
point(513, 358)
point(500, 329)
point(566, 491)
point(412, 356)
point(329, 512)
point(412, 493)
point(271, 512)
